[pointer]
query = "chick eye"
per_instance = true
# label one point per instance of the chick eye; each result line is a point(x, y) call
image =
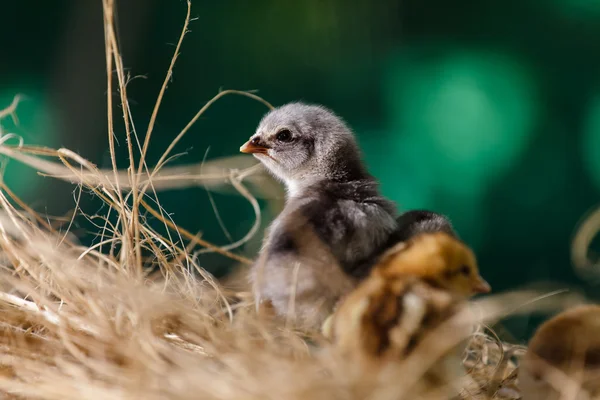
point(284, 135)
point(464, 270)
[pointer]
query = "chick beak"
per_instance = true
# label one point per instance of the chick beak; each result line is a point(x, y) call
point(254, 146)
point(481, 286)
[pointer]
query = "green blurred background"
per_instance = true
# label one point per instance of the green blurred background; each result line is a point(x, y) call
point(487, 111)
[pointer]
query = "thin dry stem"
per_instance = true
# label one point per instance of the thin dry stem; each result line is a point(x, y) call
point(587, 230)
point(163, 88)
point(11, 110)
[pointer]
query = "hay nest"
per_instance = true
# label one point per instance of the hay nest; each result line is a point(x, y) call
point(79, 324)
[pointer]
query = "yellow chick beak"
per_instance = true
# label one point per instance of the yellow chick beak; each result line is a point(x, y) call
point(481, 286)
point(251, 146)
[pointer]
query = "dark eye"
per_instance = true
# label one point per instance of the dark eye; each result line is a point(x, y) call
point(284, 135)
point(464, 270)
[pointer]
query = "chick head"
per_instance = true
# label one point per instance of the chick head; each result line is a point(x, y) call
point(301, 143)
point(563, 352)
point(439, 259)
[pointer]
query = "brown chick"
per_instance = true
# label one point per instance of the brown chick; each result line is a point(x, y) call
point(563, 357)
point(415, 287)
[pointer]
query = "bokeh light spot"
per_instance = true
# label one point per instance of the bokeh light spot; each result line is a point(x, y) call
point(468, 114)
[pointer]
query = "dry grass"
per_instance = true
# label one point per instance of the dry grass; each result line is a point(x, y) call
point(91, 323)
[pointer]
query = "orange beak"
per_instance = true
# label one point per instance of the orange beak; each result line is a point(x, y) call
point(481, 286)
point(254, 146)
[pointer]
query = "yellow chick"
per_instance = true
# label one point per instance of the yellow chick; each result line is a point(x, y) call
point(563, 357)
point(439, 259)
point(414, 287)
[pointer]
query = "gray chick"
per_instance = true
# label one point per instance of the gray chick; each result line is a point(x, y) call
point(334, 218)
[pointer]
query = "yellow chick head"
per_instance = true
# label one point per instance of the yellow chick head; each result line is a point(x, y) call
point(564, 356)
point(439, 259)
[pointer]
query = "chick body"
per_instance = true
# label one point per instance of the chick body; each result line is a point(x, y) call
point(383, 324)
point(566, 348)
point(413, 289)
